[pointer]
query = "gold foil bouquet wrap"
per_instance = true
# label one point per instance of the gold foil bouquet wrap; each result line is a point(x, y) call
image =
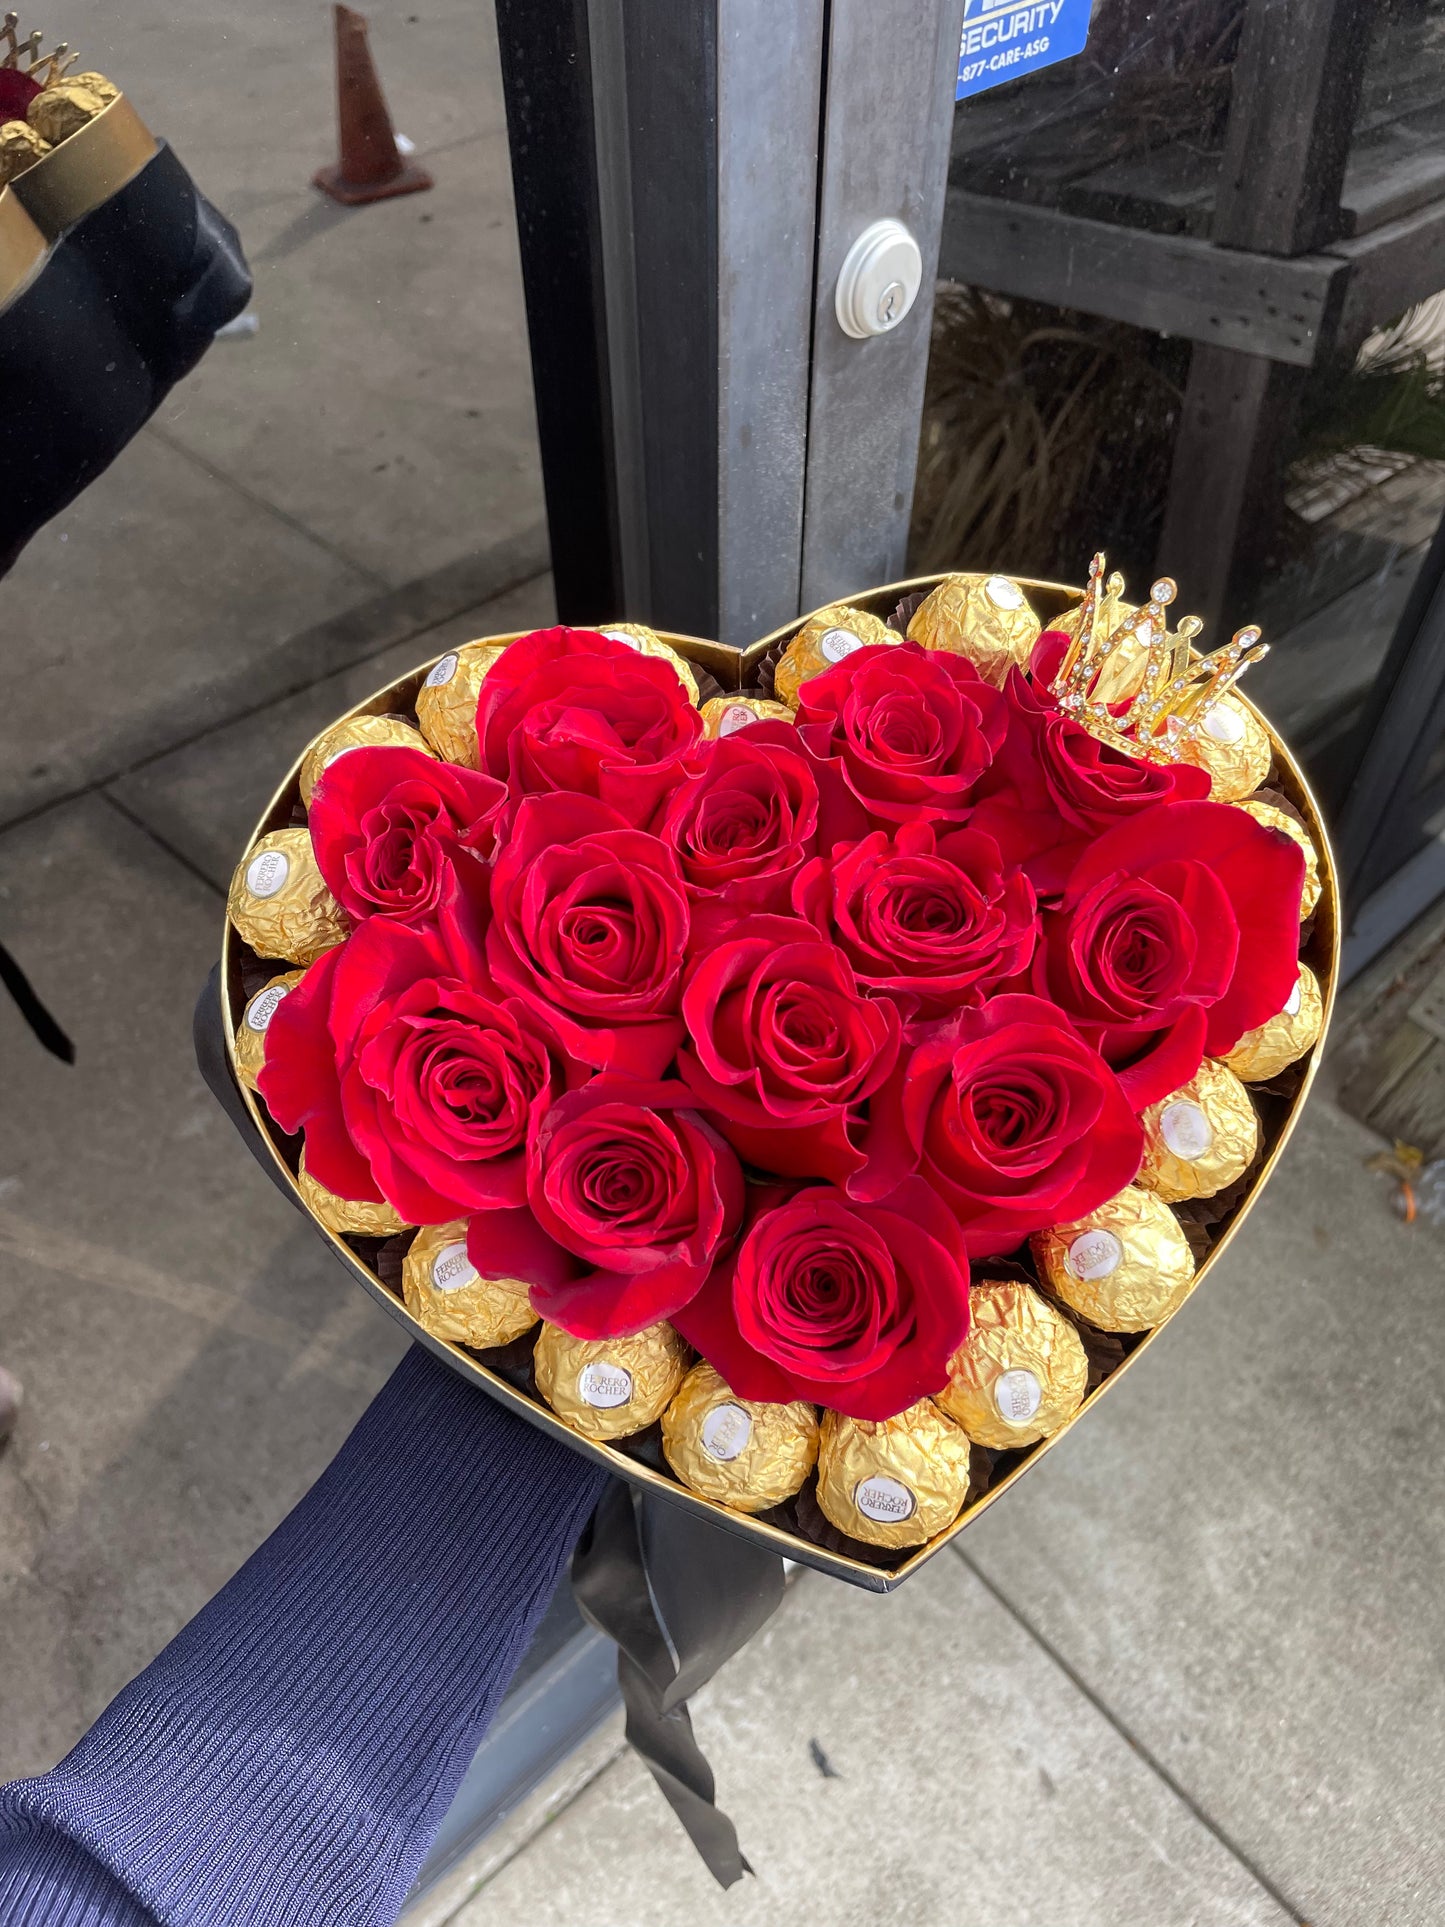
point(357, 732)
point(446, 703)
point(1233, 747)
point(824, 641)
point(1263, 1053)
point(892, 1482)
point(279, 902)
point(609, 1388)
point(1124, 1268)
point(250, 1040)
point(721, 715)
point(647, 642)
point(1200, 1138)
point(1022, 1370)
point(1277, 819)
point(441, 1288)
point(986, 618)
point(347, 1217)
point(742, 1453)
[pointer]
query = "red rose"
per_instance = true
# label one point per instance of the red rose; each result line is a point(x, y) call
point(1016, 1121)
point(744, 824)
point(783, 1048)
point(930, 920)
point(630, 1198)
point(1178, 932)
point(391, 828)
point(410, 1083)
point(568, 709)
point(589, 928)
point(1053, 787)
point(858, 1307)
point(906, 732)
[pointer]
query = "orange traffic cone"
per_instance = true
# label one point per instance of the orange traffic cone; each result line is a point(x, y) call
point(370, 167)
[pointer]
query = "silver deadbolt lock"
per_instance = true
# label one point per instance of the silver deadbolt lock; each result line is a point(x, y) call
point(878, 281)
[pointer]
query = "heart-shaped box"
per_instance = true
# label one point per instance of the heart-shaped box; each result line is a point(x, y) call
point(506, 1376)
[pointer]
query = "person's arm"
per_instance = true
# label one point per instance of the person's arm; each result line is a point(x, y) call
point(289, 1756)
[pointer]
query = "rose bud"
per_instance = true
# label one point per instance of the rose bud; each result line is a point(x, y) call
point(396, 832)
point(854, 1306)
point(250, 1039)
point(568, 710)
point(1280, 1041)
point(984, 618)
point(442, 1291)
point(347, 1217)
point(630, 1198)
point(1125, 1267)
point(784, 1049)
point(1200, 1138)
point(646, 642)
point(589, 929)
point(1022, 1372)
point(744, 825)
point(737, 1451)
point(279, 902)
point(896, 1481)
point(1283, 824)
point(609, 1388)
point(446, 703)
point(410, 1083)
point(825, 640)
point(925, 918)
point(1016, 1121)
point(1233, 747)
point(357, 732)
point(725, 715)
point(901, 734)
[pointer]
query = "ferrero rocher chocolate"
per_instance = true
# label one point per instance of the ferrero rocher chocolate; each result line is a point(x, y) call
point(1275, 819)
point(348, 1217)
point(279, 903)
point(895, 1481)
point(1200, 1138)
point(824, 640)
point(442, 1290)
point(357, 732)
point(255, 1022)
point(647, 642)
point(20, 147)
point(446, 703)
point(721, 715)
point(1283, 1040)
point(986, 618)
point(1021, 1371)
point(1124, 1267)
point(1233, 747)
point(64, 107)
point(609, 1388)
point(741, 1453)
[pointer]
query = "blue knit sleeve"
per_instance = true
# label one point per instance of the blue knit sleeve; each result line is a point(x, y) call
point(289, 1756)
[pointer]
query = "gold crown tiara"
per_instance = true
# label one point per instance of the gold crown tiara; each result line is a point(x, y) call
point(43, 69)
point(1136, 685)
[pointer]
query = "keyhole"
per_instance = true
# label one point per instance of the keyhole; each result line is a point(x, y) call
point(888, 301)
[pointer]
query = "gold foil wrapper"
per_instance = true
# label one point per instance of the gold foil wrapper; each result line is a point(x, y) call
point(1200, 1138)
point(446, 703)
point(1263, 1053)
point(279, 903)
point(721, 715)
point(896, 1481)
point(20, 147)
point(67, 105)
point(647, 642)
point(1274, 819)
point(348, 1217)
point(609, 1388)
point(441, 1289)
point(986, 618)
point(735, 1450)
point(825, 640)
point(1124, 1267)
point(250, 1040)
point(1233, 747)
point(357, 732)
point(1022, 1370)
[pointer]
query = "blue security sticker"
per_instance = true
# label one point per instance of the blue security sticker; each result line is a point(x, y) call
point(1003, 39)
